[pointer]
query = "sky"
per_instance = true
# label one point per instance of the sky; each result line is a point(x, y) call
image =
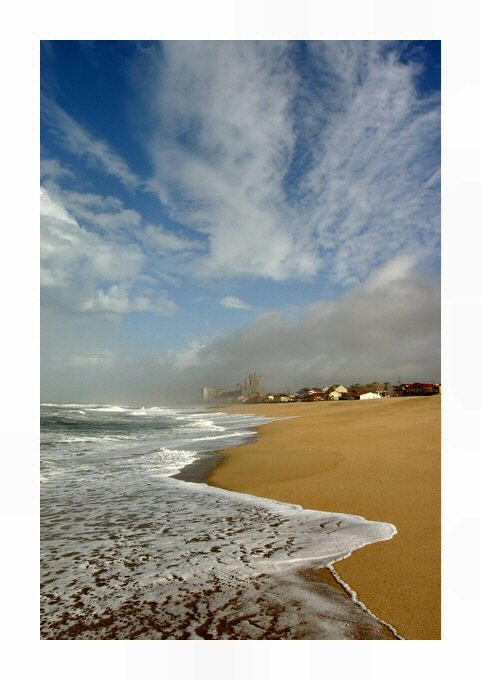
point(211, 209)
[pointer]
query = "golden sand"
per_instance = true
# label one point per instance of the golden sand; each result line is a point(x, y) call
point(380, 459)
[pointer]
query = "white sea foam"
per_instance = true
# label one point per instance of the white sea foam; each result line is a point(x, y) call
point(182, 543)
point(96, 440)
point(128, 551)
point(172, 461)
point(224, 435)
point(108, 409)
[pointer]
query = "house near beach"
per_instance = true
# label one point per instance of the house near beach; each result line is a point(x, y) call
point(337, 392)
point(314, 395)
point(416, 389)
point(332, 393)
point(370, 395)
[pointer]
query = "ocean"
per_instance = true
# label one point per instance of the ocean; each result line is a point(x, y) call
point(135, 544)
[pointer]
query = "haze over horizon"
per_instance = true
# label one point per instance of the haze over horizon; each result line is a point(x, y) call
point(211, 209)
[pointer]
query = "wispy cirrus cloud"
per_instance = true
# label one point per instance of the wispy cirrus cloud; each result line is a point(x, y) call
point(108, 213)
point(222, 142)
point(84, 144)
point(373, 189)
point(234, 302)
point(295, 165)
point(51, 169)
point(164, 241)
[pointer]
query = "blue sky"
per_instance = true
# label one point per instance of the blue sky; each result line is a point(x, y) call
point(215, 208)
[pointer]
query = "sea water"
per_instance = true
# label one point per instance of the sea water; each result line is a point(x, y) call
point(130, 551)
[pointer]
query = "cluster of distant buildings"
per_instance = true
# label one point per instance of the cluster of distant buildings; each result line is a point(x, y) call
point(252, 387)
point(251, 392)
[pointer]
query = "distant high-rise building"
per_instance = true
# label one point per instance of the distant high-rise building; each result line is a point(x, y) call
point(254, 383)
point(209, 393)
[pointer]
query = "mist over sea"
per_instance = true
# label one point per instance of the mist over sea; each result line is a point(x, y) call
point(131, 551)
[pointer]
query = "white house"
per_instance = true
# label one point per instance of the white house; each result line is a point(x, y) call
point(370, 395)
point(336, 392)
point(334, 395)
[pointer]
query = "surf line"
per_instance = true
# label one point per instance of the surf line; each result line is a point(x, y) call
point(353, 596)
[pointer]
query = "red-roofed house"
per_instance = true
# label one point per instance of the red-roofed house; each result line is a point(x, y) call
point(416, 389)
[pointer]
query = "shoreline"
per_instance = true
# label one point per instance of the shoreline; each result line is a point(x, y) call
point(199, 470)
point(379, 459)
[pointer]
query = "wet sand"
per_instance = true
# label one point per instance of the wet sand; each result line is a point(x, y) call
point(380, 459)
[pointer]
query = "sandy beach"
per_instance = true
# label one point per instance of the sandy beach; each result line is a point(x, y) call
point(380, 459)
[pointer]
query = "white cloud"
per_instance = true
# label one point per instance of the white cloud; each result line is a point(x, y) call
point(105, 212)
point(75, 260)
point(185, 358)
point(234, 302)
point(66, 247)
point(292, 176)
point(395, 270)
point(49, 207)
point(169, 250)
point(371, 186)
point(50, 168)
point(83, 143)
point(230, 101)
point(116, 301)
point(166, 241)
